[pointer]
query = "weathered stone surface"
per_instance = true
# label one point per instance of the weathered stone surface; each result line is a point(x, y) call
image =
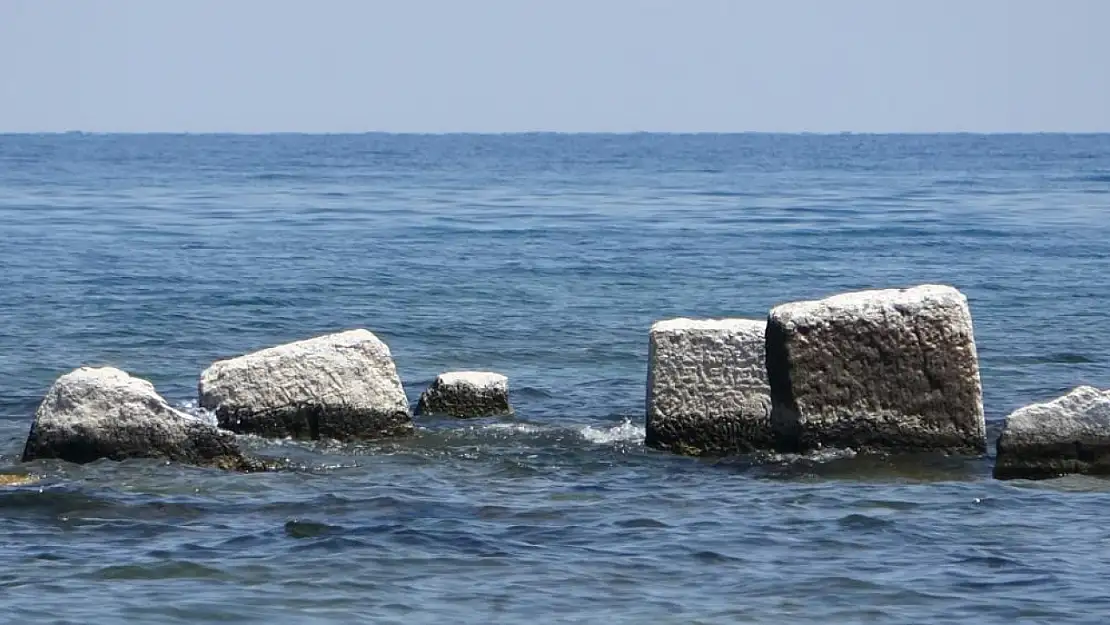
point(341, 386)
point(890, 369)
point(1070, 434)
point(467, 394)
point(707, 387)
point(94, 413)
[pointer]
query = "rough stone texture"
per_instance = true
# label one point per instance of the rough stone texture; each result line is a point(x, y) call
point(891, 369)
point(341, 386)
point(707, 387)
point(467, 394)
point(90, 414)
point(1070, 434)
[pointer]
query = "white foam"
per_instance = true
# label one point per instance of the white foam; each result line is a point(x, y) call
point(625, 432)
point(193, 410)
point(518, 428)
point(819, 455)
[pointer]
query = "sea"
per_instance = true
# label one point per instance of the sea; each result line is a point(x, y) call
point(545, 257)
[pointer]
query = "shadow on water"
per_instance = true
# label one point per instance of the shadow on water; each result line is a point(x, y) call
point(514, 448)
point(509, 448)
point(846, 465)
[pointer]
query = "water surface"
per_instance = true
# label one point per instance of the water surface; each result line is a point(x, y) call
point(545, 257)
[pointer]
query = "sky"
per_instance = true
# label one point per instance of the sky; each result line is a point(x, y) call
point(555, 65)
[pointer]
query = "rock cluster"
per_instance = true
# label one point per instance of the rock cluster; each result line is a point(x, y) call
point(881, 370)
point(341, 386)
point(888, 370)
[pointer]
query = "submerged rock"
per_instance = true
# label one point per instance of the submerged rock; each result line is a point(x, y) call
point(1070, 434)
point(467, 394)
point(95, 413)
point(707, 387)
point(890, 369)
point(340, 386)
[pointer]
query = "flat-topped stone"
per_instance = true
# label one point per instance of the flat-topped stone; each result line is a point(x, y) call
point(1070, 434)
point(341, 386)
point(94, 413)
point(892, 369)
point(474, 378)
point(467, 394)
point(707, 387)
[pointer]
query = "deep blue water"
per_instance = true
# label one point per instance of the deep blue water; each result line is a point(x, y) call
point(545, 257)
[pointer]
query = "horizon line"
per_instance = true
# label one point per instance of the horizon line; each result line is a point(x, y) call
point(320, 133)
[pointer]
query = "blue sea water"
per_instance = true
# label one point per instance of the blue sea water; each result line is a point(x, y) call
point(545, 257)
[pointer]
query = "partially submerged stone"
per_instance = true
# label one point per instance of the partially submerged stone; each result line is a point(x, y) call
point(340, 386)
point(892, 369)
point(95, 413)
point(707, 387)
point(467, 394)
point(1070, 434)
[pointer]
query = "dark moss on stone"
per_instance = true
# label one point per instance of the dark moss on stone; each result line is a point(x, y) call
point(466, 395)
point(317, 422)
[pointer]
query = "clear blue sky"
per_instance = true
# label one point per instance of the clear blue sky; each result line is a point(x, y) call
point(562, 65)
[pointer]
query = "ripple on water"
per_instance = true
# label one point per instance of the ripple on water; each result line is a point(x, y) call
point(172, 569)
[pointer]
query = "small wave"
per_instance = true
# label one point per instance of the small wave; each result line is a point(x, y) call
point(625, 432)
point(17, 479)
point(19, 406)
point(516, 428)
point(724, 193)
point(272, 176)
point(641, 523)
point(819, 456)
point(297, 528)
point(856, 521)
point(1067, 358)
point(173, 569)
point(533, 392)
point(713, 557)
point(192, 409)
point(991, 561)
point(1090, 177)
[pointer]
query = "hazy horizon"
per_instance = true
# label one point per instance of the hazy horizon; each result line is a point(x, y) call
point(504, 67)
point(801, 133)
